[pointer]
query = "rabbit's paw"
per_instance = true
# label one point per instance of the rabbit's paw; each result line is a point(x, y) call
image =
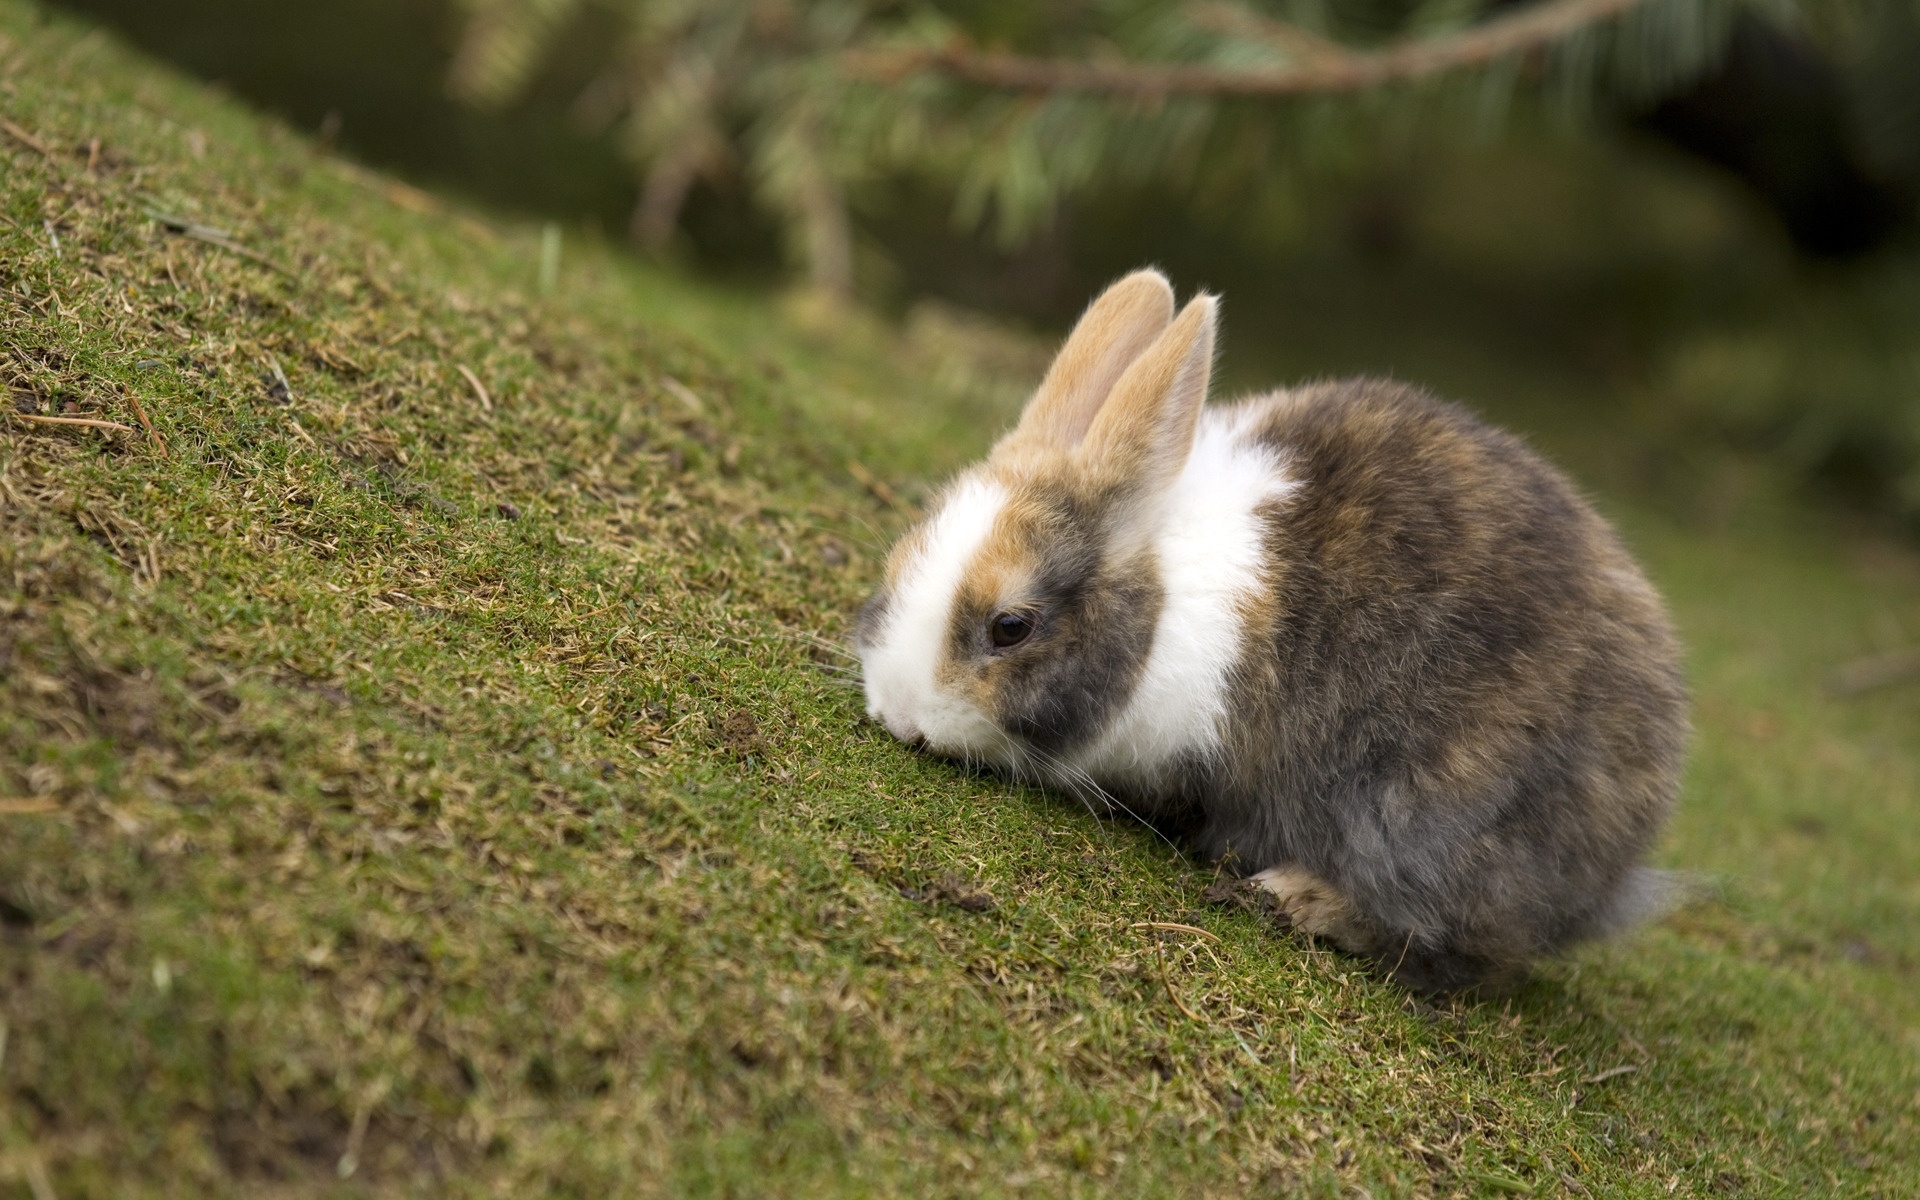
point(1313, 906)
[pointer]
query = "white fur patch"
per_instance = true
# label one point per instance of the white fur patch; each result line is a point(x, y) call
point(899, 665)
point(1211, 560)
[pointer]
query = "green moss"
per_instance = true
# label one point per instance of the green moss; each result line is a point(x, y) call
point(410, 793)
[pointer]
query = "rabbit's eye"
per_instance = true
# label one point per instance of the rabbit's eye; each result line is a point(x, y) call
point(1010, 629)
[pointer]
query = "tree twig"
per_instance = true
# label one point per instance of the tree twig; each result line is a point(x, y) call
point(1176, 927)
point(1612, 1073)
point(1166, 981)
point(86, 422)
point(24, 138)
point(479, 389)
point(153, 434)
point(220, 238)
point(23, 806)
point(1328, 68)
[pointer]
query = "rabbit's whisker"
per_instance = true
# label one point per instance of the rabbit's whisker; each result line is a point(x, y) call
point(1077, 778)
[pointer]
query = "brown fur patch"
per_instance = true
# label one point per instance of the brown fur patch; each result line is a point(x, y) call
point(1115, 330)
point(1144, 432)
point(998, 575)
point(1048, 555)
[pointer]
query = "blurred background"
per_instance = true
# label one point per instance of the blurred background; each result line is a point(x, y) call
point(1700, 215)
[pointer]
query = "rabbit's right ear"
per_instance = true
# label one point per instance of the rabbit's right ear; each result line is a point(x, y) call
point(1114, 331)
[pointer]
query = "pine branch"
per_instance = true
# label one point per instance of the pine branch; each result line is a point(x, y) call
point(1297, 44)
point(1329, 69)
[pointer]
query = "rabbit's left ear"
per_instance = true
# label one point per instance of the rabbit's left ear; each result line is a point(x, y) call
point(1115, 330)
point(1144, 432)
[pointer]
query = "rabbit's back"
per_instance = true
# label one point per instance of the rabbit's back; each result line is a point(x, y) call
point(1461, 701)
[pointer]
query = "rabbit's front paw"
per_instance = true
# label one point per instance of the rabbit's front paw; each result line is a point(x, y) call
point(1313, 906)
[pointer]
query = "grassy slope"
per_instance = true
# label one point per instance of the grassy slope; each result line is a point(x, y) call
point(357, 835)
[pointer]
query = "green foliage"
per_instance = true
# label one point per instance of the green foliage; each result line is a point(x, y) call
point(789, 94)
point(1830, 383)
point(802, 94)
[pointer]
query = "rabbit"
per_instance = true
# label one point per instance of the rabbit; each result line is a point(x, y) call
point(1376, 657)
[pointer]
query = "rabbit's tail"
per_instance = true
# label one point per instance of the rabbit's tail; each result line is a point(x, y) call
point(1647, 894)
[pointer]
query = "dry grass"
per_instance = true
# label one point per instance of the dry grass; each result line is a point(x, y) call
point(419, 772)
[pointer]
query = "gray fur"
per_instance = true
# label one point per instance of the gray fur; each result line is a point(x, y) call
point(1467, 712)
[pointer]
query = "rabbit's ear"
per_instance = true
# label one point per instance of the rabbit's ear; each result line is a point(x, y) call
point(1113, 332)
point(1145, 430)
